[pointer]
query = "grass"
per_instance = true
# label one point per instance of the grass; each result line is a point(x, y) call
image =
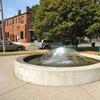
point(23, 52)
point(88, 49)
point(79, 49)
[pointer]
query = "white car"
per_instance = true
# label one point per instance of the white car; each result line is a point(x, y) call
point(44, 44)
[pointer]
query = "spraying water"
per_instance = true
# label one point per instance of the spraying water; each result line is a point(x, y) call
point(61, 57)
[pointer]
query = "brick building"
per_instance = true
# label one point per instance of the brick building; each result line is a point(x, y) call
point(18, 28)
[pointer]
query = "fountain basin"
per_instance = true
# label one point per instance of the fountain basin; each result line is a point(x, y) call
point(54, 76)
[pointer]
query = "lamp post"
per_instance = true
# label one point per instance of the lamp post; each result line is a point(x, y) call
point(3, 37)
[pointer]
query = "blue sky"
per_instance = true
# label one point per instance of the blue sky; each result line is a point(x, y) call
point(12, 6)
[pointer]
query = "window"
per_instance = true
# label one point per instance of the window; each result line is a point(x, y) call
point(19, 20)
point(7, 22)
point(11, 37)
point(7, 35)
point(12, 21)
point(22, 35)
point(16, 20)
point(22, 19)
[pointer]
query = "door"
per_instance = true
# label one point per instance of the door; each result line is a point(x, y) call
point(31, 36)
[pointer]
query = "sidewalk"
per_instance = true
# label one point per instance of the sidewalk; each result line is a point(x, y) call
point(13, 89)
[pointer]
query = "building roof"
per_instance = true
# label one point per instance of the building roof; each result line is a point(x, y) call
point(28, 10)
point(16, 16)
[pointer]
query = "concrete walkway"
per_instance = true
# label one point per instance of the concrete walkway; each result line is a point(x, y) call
point(13, 89)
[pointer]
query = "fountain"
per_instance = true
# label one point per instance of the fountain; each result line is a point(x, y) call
point(62, 57)
point(60, 67)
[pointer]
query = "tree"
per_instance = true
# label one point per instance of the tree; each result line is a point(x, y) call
point(93, 31)
point(33, 13)
point(96, 2)
point(68, 19)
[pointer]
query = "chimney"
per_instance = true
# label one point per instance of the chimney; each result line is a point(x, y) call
point(19, 12)
point(27, 9)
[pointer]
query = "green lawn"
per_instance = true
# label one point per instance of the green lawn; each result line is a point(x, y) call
point(97, 49)
point(23, 52)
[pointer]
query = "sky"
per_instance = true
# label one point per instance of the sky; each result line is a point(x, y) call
point(11, 7)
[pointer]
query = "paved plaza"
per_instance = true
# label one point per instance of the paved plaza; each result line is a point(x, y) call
point(12, 88)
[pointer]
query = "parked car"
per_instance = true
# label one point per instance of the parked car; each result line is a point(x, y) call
point(49, 44)
point(44, 44)
point(93, 43)
point(9, 46)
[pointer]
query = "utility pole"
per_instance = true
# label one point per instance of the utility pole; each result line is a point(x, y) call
point(3, 36)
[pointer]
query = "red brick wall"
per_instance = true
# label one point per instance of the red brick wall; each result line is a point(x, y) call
point(15, 25)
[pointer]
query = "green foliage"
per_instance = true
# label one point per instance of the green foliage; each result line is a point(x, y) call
point(32, 16)
point(93, 30)
point(68, 19)
point(97, 2)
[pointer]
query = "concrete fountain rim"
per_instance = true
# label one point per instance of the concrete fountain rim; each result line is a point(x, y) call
point(33, 66)
point(55, 76)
